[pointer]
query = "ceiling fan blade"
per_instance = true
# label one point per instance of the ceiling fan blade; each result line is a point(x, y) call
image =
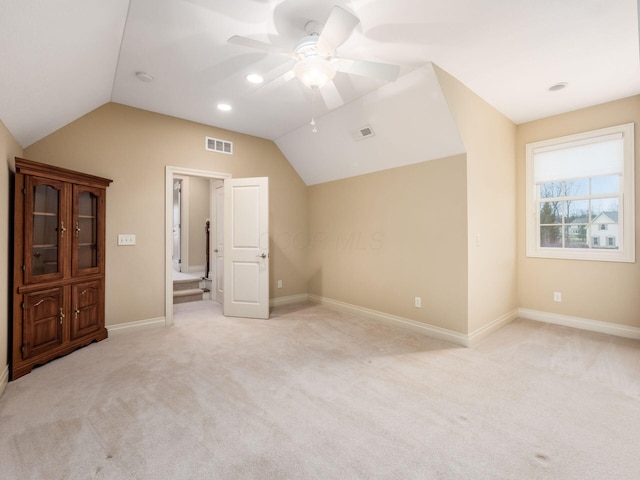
point(382, 71)
point(331, 96)
point(338, 27)
point(257, 44)
point(276, 83)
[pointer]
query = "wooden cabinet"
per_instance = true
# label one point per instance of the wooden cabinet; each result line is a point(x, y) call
point(59, 258)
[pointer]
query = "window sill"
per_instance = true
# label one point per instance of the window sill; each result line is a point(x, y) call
point(602, 255)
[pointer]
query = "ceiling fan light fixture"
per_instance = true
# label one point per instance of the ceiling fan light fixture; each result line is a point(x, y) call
point(314, 71)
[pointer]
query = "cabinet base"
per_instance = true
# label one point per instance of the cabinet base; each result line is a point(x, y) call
point(19, 369)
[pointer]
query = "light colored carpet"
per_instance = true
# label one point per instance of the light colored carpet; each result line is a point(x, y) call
point(316, 394)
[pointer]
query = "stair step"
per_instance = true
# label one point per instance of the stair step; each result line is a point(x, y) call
point(185, 293)
point(191, 284)
point(190, 295)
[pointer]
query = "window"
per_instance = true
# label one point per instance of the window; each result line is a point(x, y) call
point(578, 186)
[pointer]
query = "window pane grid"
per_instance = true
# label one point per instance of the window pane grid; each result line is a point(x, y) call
point(562, 228)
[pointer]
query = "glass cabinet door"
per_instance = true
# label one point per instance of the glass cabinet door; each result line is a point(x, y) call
point(87, 248)
point(45, 229)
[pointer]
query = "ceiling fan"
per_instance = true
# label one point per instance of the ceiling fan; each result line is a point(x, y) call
point(316, 59)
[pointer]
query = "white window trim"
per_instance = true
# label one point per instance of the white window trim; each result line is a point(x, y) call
point(626, 240)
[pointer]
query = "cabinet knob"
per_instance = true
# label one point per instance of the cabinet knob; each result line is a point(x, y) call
point(61, 315)
point(62, 229)
point(76, 312)
point(77, 230)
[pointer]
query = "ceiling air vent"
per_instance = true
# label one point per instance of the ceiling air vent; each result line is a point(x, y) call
point(217, 145)
point(365, 131)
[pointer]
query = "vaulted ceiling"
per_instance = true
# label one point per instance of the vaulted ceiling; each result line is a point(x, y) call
point(60, 59)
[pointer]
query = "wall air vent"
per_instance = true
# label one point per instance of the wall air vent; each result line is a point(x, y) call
point(217, 145)
point(365, 131)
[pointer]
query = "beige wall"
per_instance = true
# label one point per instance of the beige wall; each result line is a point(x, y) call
point(417, 229)
point(132, 147)
point(198, 214)
point(9, 149)
point(603, 291)
point(379, 240)
point(489, 139)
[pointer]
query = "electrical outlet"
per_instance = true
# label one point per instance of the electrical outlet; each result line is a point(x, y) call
point(557, 296)
point(279, 283)
point(126, 239)
point(418, 302)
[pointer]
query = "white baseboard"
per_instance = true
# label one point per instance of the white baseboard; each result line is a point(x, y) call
point(488, 329)
point(276, 302)
point(393, 320)
point(4, 379)
point(615, 329)
point(136, 326)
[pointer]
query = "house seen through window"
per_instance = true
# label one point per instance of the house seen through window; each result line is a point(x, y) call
point(580, 194)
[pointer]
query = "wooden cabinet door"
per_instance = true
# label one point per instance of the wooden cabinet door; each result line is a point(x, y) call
point(42, 323)
point(87, 308)
point(46, 230)
point(87, 245)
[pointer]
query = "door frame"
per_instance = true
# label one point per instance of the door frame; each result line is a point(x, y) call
point(170, 171)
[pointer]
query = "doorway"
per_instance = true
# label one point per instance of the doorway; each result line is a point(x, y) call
point(171, 175)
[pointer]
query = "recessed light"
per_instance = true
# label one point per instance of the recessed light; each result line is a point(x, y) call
point(225, 107)
point(144, 77)
point(254, 78)
point(558, 86)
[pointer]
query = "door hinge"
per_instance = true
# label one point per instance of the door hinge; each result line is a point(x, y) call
point(24, 190)
point(24, 267)
point(22, 305)
point(22, 349)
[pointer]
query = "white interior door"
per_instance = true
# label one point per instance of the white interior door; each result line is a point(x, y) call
point(246, 244)
point(219, 244)
point(177, 187)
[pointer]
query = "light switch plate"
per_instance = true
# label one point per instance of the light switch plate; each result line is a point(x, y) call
point(126, 239)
